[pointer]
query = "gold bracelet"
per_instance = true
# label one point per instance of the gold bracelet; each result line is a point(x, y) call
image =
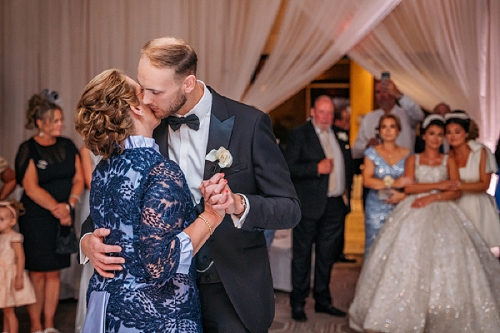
point(208, 224)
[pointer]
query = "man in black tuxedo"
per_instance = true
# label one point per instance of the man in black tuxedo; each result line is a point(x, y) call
point(316, 163)
point(234, 276)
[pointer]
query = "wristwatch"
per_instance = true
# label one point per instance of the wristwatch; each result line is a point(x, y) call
point(244, 204)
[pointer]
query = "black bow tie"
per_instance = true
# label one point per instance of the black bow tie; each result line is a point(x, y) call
point(192, 121)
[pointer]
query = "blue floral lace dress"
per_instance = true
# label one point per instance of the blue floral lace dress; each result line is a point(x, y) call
point(145, 201)
point(376, 210)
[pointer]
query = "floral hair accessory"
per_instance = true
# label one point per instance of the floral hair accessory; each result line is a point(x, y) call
point(222, 156)
point(51, 96)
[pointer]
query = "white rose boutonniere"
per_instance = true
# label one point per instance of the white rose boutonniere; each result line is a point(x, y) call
point(222, 156)
point(342, 136)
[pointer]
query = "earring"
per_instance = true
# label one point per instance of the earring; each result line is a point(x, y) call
point(41, 133)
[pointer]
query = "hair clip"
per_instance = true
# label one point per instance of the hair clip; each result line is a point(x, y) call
point(51, 96)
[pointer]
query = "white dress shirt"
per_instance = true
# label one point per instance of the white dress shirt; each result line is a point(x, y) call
point(338, 162)
point(410, 114)
point(188, 147)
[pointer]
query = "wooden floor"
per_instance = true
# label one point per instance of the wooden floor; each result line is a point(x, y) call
point(343, 283)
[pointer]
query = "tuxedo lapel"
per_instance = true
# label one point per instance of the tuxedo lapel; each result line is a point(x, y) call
point(314, 139)
point(219, 134)
point(160, 134)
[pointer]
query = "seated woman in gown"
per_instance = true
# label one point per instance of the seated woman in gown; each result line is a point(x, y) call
point(145, 201)
point(475, 163)
point(429, 270)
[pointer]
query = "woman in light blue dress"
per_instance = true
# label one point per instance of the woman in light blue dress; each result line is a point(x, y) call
point(383, 175)
point(143, 198)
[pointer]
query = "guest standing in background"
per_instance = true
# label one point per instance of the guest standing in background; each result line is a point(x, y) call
point(476, 163)
point(391, 101)
point(318, 171)
point(8, 178)
point(341, 128)
point(383, 175)
point(429, 270)
point(15, 286)
point(48, 168)
point(440, 109)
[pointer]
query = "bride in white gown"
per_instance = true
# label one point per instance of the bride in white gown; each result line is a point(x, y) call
point(429, 270)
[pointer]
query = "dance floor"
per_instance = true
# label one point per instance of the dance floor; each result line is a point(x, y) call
point(343, 282)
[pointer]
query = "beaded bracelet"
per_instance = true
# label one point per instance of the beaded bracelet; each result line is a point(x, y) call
point(208, 224)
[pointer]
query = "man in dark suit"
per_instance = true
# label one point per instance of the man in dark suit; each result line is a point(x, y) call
point(234, 276)
point(316, 163)
point(341, 127)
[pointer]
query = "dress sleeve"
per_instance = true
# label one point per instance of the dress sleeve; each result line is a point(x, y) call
point(16, 237)
point(164, 214)
point(371, 154)
point(22, 160)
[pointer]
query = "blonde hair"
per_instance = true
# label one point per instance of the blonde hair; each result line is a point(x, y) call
point(171, 52)
point(16, 208)
point(103, 113)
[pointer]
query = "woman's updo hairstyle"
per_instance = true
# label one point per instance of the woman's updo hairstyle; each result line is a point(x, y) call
point(41, 107)
point(103, 112)
point(459, 117)
point(433, 119)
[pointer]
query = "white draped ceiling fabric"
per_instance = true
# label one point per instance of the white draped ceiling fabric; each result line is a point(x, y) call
point(313, 36)
point(442, 51)
point(436, 50)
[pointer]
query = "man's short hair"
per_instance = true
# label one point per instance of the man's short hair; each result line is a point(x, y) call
point(171, 52)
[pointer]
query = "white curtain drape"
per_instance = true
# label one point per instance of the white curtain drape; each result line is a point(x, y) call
point(62, 44)
point(441, 51)
point(312, 37)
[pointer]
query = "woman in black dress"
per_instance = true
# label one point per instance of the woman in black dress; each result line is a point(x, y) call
point(48, 168)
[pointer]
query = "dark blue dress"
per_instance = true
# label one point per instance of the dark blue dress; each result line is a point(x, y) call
point(145, 201)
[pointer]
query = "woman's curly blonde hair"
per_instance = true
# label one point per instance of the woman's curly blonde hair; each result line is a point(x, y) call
point(103, 112)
